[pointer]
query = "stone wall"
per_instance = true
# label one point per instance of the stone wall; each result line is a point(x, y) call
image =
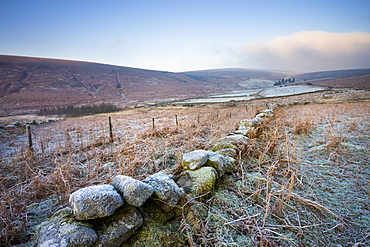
point(109, 214)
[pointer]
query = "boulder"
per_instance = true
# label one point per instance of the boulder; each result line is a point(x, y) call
point(236, 138)
point(133, 191)
point(243, 130)
point(95, 201)
point(194, 159)
point(153, 234)
point(165, 190)
point(117, 228)
point(228, 152)
point(198, 182)
point(223, 144)
point(62, 229)
point(220, 163)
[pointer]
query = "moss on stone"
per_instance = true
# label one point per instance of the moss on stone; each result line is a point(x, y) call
point(157, 234)
point(223, 145)
point(198, 182)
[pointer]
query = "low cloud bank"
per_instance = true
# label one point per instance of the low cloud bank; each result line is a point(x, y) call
point(309, 51)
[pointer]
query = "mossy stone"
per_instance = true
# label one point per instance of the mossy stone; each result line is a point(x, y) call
point(198, 182)
point(157, 234)
point(62, 229)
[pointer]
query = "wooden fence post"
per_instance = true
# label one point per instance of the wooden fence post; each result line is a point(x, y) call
point(198, 117)
point(153, 123)
point(29, 137)
point(177, 122)
point(110, 129)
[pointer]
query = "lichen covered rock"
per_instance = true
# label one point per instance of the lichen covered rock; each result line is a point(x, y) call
point(223, 144)
point(220, 163)
point(198, 182)
point(133, 191)
point(62, 229)
point(116, 229)
point(237, 138)
point(165, 190)
point(228, 152)
point(194, 160)
point(95, 201)
point(153, 234)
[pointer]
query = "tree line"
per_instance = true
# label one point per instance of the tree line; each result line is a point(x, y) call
point(77, 111)
point(284, 81)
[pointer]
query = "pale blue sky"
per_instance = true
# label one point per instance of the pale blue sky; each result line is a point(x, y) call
point(298, 35)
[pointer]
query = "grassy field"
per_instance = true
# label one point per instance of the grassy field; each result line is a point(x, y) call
point(303, 182)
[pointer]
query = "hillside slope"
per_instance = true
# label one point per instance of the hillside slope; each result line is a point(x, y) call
point(28, 84)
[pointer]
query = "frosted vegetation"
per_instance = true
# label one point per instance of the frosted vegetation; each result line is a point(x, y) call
point(304, 182)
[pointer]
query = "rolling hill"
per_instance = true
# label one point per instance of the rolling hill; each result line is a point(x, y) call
point(28, 84)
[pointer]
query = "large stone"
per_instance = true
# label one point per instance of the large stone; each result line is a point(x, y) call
point(95, 201)
point(246, 131)
point(153, 234)
point(116, 229)
point(194, 159)
point(228, 152)
point(62, 229)
point(198, 182)
point(133, 191)
point(220, 163)
point(236, 138)
point(222, 144)
point(165, 190)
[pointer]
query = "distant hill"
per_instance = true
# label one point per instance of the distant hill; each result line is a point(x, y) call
point(28, 84)
point(246, 78)
point(330, 75)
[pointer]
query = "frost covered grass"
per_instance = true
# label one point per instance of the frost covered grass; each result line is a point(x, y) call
point(298, 188)
point(76, 152)
point(302, 182)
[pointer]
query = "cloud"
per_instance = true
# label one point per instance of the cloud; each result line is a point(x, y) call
point(310, 51)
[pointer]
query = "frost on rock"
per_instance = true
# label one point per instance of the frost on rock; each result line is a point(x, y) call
point(220, 163)
point(116, 229)
point(134, 192)
point(62, 229)
point(95, 201)
point(195, 159)
point(228, 152)
point(198, 182)
point(165, 189)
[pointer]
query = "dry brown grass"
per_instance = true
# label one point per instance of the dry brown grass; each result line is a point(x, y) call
point(76, 152)
point(273, 197)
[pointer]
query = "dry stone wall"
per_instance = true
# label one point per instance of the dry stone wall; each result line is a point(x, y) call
point(108, 214)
